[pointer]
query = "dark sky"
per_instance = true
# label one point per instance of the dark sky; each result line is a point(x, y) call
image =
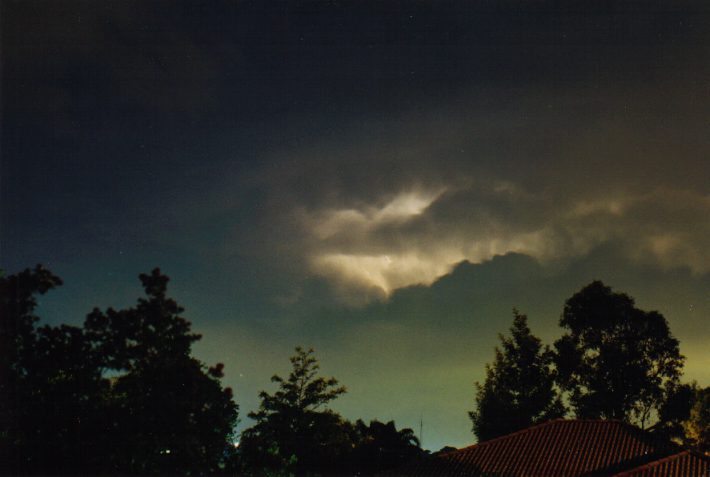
point(383, 181)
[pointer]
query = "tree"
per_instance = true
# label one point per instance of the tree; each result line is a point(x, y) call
point(616, 361)
point(17, 329)
point(295, 431)
point(51, 388)
point(167, 412)
point(519, 387)
point(122, 394)
point(697, 426)
point(381, 447)
point(17, 337)
point(674, 411)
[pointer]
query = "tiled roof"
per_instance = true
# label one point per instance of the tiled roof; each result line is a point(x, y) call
point(682, 464)
point(559, 448)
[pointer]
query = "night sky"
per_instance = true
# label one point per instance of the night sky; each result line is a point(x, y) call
point(383, 181)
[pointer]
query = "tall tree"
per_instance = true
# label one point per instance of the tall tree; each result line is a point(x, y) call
point(519, 388)
point(167, 411)
point(294, 430)
point(616, 361)
point(161, 411)
point(51, 388)
point(17, 329)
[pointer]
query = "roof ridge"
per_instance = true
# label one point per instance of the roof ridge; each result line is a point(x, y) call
point(512, 434)
point(662, 461)
point(574, 447)
point(538, 426)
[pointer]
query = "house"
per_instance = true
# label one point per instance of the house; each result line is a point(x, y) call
point(567, 448)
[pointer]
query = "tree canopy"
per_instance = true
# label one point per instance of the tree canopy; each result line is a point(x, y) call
point(380, 446)
point(615, 360)
point(519, 388)
point(120, 395)
point(295, 431)
point(697, 426)
point(49, 385)
point(169, 411)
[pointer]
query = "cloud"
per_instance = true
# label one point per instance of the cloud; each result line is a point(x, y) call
point(381, 161)
point(383, 198)
point(374, 216)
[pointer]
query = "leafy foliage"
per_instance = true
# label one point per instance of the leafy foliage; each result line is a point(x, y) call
point(381, 447)
point(161, 410)
point(697, 426)
point(169, 413)
point(294, 430)
point(616, 361)
point(674, 411)
point(51, 388)
point(519, 387)
point(17, 320)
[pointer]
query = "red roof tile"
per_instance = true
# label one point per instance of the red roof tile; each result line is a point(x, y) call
point(682, 464)
point(559, 448)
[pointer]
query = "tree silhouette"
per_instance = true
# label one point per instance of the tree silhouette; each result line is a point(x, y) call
point(294, 430)
point(380, 447)
point(674, 411)
point(697, 426)
point(51, 388)
point(519, 387)
point(616, 361)
point(167, 412)
point(17, 327)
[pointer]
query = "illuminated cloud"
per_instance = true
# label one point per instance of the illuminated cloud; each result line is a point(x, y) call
point(407, 241)
point(550, 172)
point(385, 272)
point(399, 209)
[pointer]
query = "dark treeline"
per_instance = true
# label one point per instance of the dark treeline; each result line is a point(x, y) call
point(123, 394)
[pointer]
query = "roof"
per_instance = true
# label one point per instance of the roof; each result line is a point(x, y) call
point(558, 448)
point(682, 464)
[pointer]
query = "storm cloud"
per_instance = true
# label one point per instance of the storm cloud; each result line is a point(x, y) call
point(551, 175)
